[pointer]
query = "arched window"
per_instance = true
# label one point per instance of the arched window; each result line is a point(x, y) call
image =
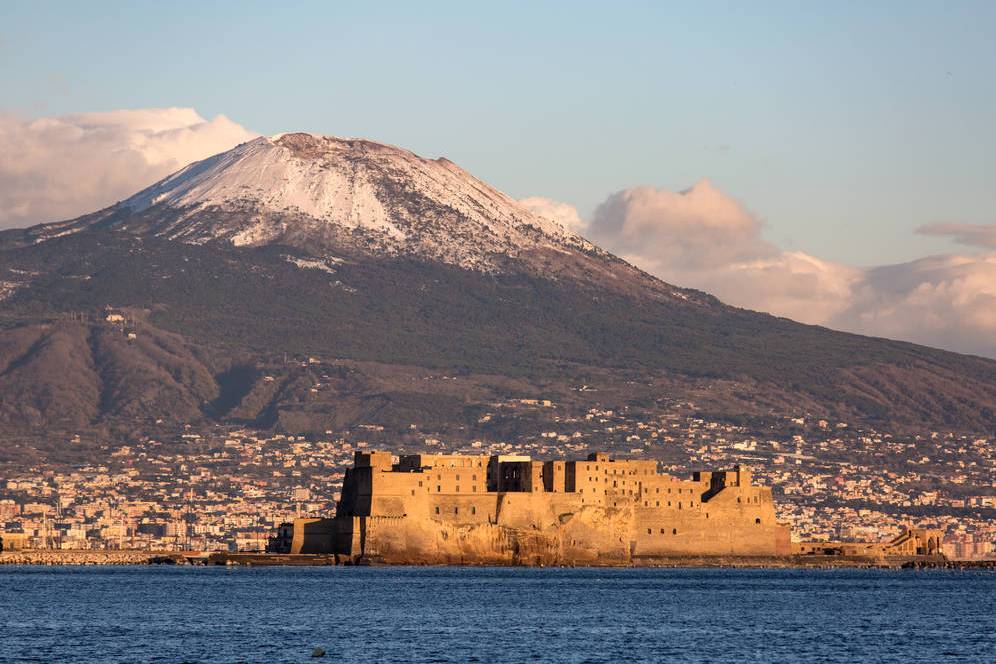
point(757, 520)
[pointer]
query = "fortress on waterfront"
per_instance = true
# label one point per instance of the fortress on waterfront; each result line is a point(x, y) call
point(512, 510)
point(434, 508)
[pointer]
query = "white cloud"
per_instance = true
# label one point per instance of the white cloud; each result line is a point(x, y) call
point(947, 301)
point(706, 239)
point(692, 229)
point(564, 214)
point(58, 168)
point(703, 238)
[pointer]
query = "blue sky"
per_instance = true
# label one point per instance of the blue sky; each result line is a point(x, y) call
point(842, 126)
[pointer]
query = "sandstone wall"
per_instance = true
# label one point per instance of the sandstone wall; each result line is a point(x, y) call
point(576, 512)
point(545, 528)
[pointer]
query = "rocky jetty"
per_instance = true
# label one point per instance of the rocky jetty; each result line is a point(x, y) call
point(84, 557)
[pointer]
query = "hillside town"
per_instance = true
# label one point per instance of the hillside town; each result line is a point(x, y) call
point(229, 489)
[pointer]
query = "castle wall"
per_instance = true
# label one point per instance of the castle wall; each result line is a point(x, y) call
point(313, 535)
point(592, 535)
point(733, 522)
point(437, 509)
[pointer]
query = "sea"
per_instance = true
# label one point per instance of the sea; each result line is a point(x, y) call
point(461, 614)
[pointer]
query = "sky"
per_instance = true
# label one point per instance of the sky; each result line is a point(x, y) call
point(829, 154)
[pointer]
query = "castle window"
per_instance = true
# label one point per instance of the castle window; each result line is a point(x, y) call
point(662, 531)
point(473, 509)
point(458, 488)
point(738, 499)
point(669, 503)
point(757, 521)
point(649, 531)
point(457, 479)
point(420, 482)
point(674, 531)
point(439, 488)
point(456, 510)
point(658, 503)
point(413, 492)
point(473, 477)
point(474, 488)
point(437, 510)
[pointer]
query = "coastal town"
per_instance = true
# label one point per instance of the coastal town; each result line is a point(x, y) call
point(229, 489)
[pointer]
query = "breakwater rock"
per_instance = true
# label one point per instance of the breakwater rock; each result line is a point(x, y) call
point(86, 557)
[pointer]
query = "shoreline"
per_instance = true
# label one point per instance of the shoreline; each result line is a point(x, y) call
point(53, 557)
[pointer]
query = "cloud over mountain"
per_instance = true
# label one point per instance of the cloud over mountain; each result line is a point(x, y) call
point(60, 167)
point(947, 301)
point(564, 214)
point(703, 238)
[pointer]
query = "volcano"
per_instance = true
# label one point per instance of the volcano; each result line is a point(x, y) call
point(373, 270)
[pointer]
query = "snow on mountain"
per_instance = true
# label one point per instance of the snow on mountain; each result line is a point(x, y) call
point(321, 193)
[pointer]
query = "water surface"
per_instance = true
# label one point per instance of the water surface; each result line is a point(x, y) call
point(214, 614)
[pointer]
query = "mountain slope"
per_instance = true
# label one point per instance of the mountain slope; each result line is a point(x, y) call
point(377, 263)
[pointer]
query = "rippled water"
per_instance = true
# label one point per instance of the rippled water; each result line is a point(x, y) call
point(168, 614)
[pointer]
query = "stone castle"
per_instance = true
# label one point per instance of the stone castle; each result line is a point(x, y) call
point(457, 509)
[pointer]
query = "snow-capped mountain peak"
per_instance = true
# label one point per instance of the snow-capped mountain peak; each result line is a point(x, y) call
point(322, 193)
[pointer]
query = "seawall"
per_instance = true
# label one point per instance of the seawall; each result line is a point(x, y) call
point(69, 557)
